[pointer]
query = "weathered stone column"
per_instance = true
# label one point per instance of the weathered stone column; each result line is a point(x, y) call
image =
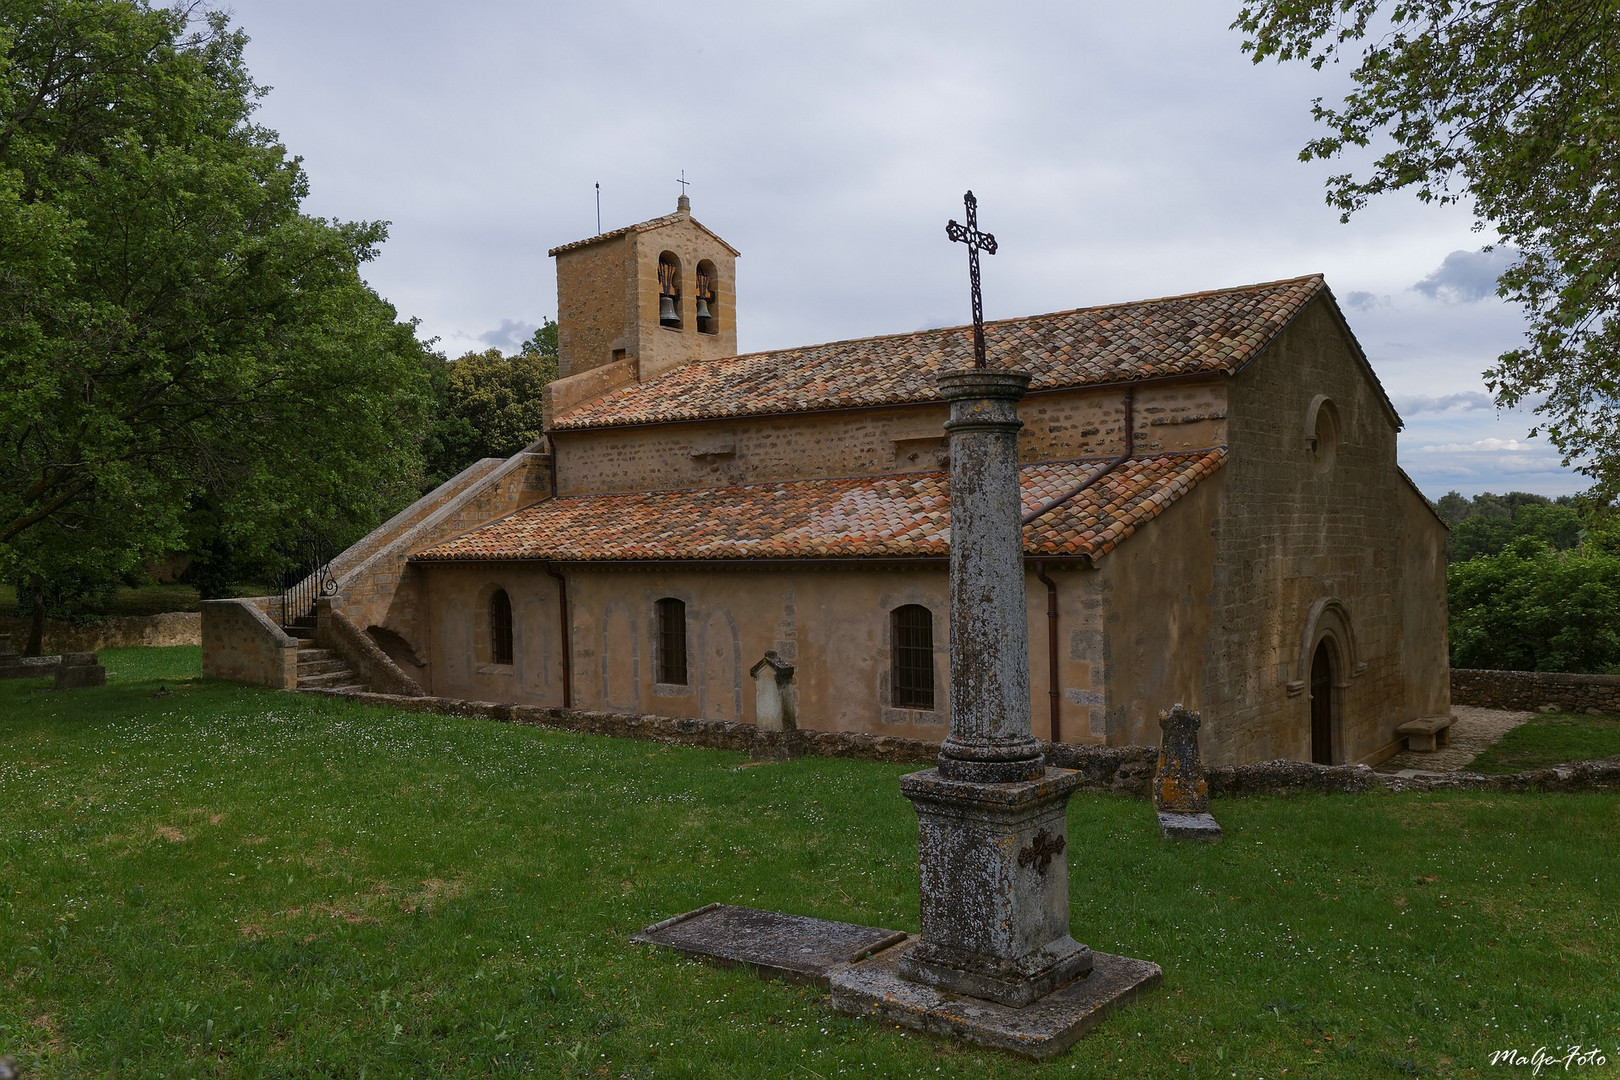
point(992, 824)
point(990, 738)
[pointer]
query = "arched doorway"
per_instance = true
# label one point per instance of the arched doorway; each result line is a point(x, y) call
point(1322, 704)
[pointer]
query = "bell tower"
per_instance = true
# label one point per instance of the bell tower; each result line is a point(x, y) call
point(638, 301)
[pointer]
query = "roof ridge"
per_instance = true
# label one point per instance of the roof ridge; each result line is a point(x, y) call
point(641, 226)
point(1257, 286)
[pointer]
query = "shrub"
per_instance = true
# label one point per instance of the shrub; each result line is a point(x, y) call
point(1531, 608)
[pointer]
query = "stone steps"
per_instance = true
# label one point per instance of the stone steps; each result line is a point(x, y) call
point(318, 668)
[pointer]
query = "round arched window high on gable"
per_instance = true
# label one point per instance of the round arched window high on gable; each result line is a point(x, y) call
point(708, 298)
point(1322, 431)
point(669, 290)
point(500, 628)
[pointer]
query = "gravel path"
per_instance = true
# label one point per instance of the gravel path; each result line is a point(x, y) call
point(1474, 730)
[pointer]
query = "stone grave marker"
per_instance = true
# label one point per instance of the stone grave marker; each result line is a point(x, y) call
point(79, 670)
point(776, 734)
point(1180, 789)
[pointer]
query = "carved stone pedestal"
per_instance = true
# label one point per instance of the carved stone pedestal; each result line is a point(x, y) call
point(995, 887)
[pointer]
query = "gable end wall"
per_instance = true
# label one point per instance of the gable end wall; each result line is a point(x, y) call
point(1292, 534)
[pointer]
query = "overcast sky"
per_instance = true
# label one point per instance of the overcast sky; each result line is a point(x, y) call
point(1118, 152)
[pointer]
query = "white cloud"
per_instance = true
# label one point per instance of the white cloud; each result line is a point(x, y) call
point(1469, 401)
point(509, 335)
point(1492, 445)
point(1467, 276)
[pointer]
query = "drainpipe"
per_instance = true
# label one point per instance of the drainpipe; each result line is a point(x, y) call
point(1130, 447)
point(1040, 567)
point(567, 637)
point(1051, 648)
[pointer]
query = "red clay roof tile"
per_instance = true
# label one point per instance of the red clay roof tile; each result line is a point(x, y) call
point(1203, 332)
point(905, 515)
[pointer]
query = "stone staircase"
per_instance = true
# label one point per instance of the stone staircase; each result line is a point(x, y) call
point(318, 668)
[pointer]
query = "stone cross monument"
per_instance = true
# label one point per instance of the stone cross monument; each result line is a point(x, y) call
point(992, 816)
point(994, 964)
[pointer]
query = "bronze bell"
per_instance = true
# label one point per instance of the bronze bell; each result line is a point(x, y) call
point(703, 309)
point(666, 311)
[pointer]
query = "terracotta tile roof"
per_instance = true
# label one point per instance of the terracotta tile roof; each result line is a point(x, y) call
point(1209, 331)
point(640, 226)
point(905, 515)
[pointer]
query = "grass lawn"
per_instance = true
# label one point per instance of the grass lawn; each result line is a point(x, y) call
point(1551, 739)
point(202, 879)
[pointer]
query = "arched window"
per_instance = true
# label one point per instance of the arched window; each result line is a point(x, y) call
point(669, 290)
point(1322, 431)
point(708, 299)
point(672, 641)
point(912, 657)
point(500, 628)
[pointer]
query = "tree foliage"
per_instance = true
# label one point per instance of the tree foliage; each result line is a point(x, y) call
point(184, 355)
point(1510, 106)
point(488, 405)
point(1531, 608)
point(1487, 523)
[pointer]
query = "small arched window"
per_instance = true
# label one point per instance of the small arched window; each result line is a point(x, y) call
point(1322, 431)
point(672, 641)
point(500, 628)
point(669, 290)
point(912, 657)
point(708, 299)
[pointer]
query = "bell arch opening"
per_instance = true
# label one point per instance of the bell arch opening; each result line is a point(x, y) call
point(669, 290)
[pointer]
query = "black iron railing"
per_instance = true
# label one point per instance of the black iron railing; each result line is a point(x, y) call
point(309, 580)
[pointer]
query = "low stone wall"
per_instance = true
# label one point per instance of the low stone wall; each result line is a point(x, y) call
point(1113, 770)
point(242, 644)
point(336, 631)
point(1535, 690)
point(124, 632)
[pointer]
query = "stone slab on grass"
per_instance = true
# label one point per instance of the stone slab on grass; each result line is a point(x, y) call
point(1189, 826)
point(796, 948)
point(1042, 1029)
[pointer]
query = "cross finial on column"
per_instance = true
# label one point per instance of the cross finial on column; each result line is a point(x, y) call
point(976, 241)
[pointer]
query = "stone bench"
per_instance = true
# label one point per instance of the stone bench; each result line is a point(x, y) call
point(1427, 732)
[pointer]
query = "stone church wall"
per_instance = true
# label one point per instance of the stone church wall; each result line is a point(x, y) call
point(1155, 591)
point(873, 442)
point(595, 291)
point(657, 348)
point(831, 623)
point(1301, 532)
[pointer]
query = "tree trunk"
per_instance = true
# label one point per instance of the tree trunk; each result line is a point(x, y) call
point(36, 624)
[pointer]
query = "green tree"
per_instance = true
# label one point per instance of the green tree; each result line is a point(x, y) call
point(543, 342)
point(1530, 608)
point(489, 405)
point(1510, 106)
point(181, 349)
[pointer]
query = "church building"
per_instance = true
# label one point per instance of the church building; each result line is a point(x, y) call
point(1214, 516)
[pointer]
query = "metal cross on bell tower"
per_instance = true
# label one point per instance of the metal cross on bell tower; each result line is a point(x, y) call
point(976, 241)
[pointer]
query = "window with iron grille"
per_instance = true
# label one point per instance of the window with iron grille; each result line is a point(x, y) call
point(912, 650)
point(500, 628)
point(672, 641)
